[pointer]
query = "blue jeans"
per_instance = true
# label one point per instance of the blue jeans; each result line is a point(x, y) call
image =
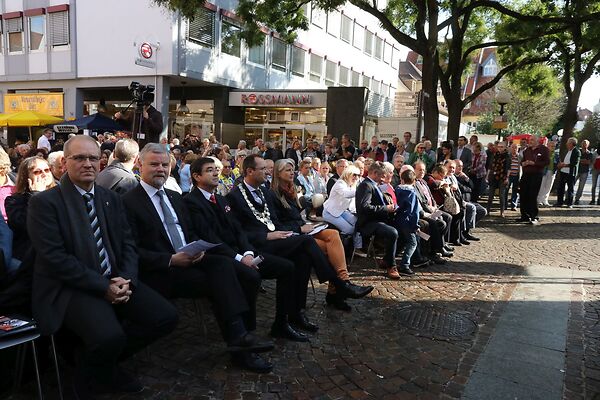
point(346, 223)
point(513, 181)
point(410, 244)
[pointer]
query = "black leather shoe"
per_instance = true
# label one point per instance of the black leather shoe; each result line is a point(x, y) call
point(252, 362)
point(445, 253)
point(405, 271)
point(301, 322)
point(249, 342)
point(285, 331)
point(456, 244)
point(352, 291)
point(419, 263)
point(447, 247)
point(438, 260)
point(468, 236)
point(337, 302)
point(465, 242)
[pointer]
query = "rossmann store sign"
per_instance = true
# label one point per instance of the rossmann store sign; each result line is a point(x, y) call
point(278, 99)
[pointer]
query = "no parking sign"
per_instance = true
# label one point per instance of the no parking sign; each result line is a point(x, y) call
point(145, 54)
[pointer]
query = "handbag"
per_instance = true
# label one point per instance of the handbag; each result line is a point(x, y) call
point(451, 206)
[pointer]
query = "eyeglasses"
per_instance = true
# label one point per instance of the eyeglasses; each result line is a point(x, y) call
point(39, 171)
point(82, 158)
point(356, 175)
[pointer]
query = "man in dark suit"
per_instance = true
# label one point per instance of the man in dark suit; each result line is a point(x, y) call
point(567, 172)
point(374, 217)
point(86, 274)
point(254, 209)
point(213, 219)
point(161, 228)
point(464, 154)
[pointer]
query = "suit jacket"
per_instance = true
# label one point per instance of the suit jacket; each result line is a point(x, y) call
point(466, 157)
point(66, 255)
point(291, 154)
point(115, 177)
point(154, 246)
point(217, 223)
point(369, 206)
point(273, 154)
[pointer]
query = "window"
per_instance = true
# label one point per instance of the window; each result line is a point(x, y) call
point(368, 47)
point(58, 28)
point(256, 54)
point(333, 23)
point(378, 48)
point(279, 56)
point(37, 32)
point(355, 78)
point(14, 27)
point(420, 60)
point(346, 29)
point(298, 56)
point(316, 66)
point(375, 86)
point(396, 58)
point(385, 90)
point(306, 10)
point(202, 29)
point(230, 41)
point(366, 82)
point(330, 72)
point(343, 79)
point(359, 33)
point(1, 32)
point(387, 53)
point(491, 68)
point(318, 17)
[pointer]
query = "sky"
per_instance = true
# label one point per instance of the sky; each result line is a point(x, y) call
point(590, 95)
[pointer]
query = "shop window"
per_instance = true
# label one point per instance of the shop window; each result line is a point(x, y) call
point(279, 56)
point(346, 29)
point(359, 34)
point(318, 17)
point(14, 27)
point(202, 29)
point(343, 79)
point(387, 53)
point(333, 23)
point(378, 48)
point(298, 57)
point(316, 67)
point(355, 79)
point(256, 54)
point(58, 28)
point(330, 72)
point(37, 32)
point(368, 46)
point(230, 40)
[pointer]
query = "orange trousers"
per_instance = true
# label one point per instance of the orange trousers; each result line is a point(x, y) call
point(330, 243)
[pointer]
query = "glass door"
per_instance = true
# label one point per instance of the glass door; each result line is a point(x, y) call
point(275, 136)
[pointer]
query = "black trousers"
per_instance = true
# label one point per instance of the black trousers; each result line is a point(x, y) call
point(388, 234)
point(113, 332)
point(529, 187)
point(438, 230)
point(565, 179)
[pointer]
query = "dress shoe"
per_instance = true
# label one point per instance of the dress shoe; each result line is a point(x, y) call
point(252, 362)
point(465, 242)
point(249, 342)
point(285, 331)
point(468, 236)
point(301, 322)
point(576, 202)
point(392, 273)
point(360, 253)
point(513, 209)
point(456, 244)
point(447, 247)
point(352, 291)
point(438, 260)
point(337, 302)
point(405, 270)
point(526, 220)
point(419, 263)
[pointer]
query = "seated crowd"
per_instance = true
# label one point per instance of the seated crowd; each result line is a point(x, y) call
point(96, 248)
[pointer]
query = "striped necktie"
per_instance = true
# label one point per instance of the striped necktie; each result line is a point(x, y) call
point(170, 223)
point(103, 257)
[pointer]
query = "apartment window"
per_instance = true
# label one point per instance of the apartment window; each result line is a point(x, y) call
point(58, 28)
point(366, 82)
point(37, 32)
point(376, 86)
point(395, 58)
point(298, 57)
point(491, 68)
point(279, 56)
point(346, 29)
point(330, 72)
point(230, 41)
point(387, 53)
point(368, 47)
point(316, 66)
point(343, 79)
point(14, 27)
point(202, 29)
point(256, 54)
point(359, 34)
point(378, 48)
point(355, 78)
point(333, 23)
point(318, 17)
point(385, 90)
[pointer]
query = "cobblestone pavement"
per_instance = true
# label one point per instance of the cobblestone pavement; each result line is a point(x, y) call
point(370, 353)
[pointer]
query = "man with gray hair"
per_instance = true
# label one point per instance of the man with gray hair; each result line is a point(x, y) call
point(118, 176)
point(55, 162)
point(584, 168)
point(567, 173)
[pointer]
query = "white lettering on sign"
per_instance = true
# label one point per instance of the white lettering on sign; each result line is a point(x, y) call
point(276, 99)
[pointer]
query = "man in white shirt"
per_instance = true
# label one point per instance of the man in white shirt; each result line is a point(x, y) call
point(567, 172)
point(44, 140)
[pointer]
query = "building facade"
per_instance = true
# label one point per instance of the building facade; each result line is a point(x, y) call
point(73, 57)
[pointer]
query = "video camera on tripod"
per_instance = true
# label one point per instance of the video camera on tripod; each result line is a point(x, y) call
point(141, 94)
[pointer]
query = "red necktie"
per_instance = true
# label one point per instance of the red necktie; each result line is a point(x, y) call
point(213, 199)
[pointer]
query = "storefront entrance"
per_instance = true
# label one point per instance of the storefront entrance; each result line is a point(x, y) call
point(283, 136)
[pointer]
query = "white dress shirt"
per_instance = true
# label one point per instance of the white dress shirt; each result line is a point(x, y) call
point(155, 199)
point(341, 198)
point(567, 161)
point(252, 190)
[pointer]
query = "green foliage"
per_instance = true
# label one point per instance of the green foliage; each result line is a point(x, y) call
point(536, 81)
point(591, 130)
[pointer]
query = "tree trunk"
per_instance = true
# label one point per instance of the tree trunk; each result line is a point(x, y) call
point(431, 117)
point(454, 116)
point(570, 116)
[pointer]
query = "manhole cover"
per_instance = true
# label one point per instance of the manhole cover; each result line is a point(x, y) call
point(437, 323)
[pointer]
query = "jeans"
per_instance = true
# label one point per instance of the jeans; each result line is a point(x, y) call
point(346, 223)
point(595, 175)
point(565, 178)
point(513, 181)
point(410, 244)
point(582, 180)
point(474, 212)
point(501, 186)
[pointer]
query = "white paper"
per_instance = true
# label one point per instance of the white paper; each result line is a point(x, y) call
point(317, 229)
point(198, 246)
point(423, 235)
point(436, 214)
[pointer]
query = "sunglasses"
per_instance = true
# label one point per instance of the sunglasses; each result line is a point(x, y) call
point(39, 171)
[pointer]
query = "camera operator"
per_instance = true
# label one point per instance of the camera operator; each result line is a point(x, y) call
point(152, 121)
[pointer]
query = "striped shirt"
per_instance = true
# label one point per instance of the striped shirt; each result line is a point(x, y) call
point(514, 165)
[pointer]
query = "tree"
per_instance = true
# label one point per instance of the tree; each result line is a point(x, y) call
point(591, 130)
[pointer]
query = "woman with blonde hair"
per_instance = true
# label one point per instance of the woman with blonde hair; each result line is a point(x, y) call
point(288, 211)
point(7, 184)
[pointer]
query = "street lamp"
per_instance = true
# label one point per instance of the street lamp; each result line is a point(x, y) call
point(503, 97)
